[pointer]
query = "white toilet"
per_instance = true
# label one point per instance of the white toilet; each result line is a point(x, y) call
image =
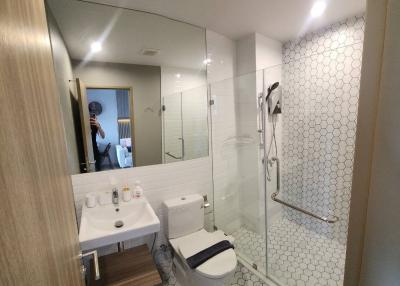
point(184, 228)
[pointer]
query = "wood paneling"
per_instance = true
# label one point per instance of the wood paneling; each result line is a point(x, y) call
point(39, 237)
point(364, 145)
point(133, 267)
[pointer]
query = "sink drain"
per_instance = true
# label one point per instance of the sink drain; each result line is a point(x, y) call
point(119, 223)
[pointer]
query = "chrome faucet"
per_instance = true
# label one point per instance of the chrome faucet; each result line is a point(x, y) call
point(115, 196)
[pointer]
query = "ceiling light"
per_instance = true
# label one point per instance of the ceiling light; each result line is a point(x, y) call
point(318, 9)
point(207, 61)
point(178, 75)
point(95, 47)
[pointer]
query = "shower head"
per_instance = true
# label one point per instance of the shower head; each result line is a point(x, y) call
point(271, 88)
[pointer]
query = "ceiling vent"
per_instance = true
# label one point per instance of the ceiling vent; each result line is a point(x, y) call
point(149, 52)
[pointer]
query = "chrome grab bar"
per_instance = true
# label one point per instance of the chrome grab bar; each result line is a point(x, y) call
point(325, 219)
point(183, 151)
point(274, 196)
point(173, 156)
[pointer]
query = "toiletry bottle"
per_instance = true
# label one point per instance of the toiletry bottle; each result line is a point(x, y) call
point(126, 194)
point(138, 191)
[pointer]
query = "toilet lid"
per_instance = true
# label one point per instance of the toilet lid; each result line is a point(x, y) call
point(217, 266)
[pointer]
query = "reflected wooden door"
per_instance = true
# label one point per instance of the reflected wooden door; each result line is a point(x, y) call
point(39, 237)
point(89, 160)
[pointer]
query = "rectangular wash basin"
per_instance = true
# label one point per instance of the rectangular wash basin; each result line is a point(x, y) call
point(108, 224)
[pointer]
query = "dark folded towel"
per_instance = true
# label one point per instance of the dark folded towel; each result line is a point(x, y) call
point(199, 258)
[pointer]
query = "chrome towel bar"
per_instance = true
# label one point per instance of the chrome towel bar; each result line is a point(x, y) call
point(274, 197)
point(323, 218)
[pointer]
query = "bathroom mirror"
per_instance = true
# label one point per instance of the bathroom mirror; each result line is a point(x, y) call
point(132, 86)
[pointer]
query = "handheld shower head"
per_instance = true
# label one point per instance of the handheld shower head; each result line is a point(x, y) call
point(271, 88)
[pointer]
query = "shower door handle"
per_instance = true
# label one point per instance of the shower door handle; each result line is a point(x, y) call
point(183, 147)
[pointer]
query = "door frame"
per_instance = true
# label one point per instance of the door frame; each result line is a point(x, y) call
point(131, 110)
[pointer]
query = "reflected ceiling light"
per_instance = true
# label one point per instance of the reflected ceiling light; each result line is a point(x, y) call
point(95, 47)
point(207, 61)
point(178, 75)
point(318, 9)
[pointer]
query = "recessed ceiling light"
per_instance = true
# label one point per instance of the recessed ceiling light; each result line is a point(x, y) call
point(318, 9)
point(207, 61)
point(95, 47)
point(178, 75)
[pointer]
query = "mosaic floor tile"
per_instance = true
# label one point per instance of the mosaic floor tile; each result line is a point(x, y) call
point(296, 255)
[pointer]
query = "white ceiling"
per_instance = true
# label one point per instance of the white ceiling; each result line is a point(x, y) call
point(125, 33)
point(279, 19)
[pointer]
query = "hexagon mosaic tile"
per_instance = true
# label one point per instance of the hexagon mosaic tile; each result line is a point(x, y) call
point(321, 78)
point(296, 255)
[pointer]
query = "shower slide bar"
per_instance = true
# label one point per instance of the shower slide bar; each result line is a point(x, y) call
point(274, 197)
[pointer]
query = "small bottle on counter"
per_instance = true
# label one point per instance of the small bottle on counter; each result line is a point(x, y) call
point(126, 194)
point(138, 191)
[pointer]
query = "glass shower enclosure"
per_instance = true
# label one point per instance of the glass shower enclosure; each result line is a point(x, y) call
point(282, 165)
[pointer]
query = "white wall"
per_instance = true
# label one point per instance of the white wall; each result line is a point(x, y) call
point(184, 94)
point(174, 80)
point(246, 55)
point(222, 53)
point(68, 100)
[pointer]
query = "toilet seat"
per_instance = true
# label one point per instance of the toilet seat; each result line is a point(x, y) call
point(217, 266)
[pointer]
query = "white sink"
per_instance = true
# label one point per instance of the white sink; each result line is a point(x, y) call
point(98, 225)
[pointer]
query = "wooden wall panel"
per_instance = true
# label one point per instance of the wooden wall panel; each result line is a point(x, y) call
point(38, 236)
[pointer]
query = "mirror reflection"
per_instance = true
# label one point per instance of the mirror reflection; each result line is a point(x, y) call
point(132, 86)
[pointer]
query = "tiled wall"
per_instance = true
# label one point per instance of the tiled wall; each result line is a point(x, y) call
point(321, 76)
point(160, 182)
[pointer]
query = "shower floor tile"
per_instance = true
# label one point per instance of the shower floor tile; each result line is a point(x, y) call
point(296, 255)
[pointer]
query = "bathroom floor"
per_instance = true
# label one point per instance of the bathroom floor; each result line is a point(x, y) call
point(242, 277)
point(306, 258)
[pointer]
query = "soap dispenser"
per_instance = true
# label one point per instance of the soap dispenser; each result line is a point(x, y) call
point(138, 191)
point(126, 194)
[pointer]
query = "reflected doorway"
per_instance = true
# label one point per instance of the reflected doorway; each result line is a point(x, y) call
point(111, 127)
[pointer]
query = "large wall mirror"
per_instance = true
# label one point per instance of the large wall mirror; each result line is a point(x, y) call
point(132, 86)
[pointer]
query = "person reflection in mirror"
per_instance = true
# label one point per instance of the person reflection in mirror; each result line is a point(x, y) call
point(96, 129)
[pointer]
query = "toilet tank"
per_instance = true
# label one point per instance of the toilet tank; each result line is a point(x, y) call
point(183, 215)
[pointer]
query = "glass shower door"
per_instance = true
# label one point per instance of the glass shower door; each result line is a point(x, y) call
point(237, 166)
point(172, 129)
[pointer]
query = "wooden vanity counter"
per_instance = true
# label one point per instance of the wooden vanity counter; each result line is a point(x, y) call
point(132, 267)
